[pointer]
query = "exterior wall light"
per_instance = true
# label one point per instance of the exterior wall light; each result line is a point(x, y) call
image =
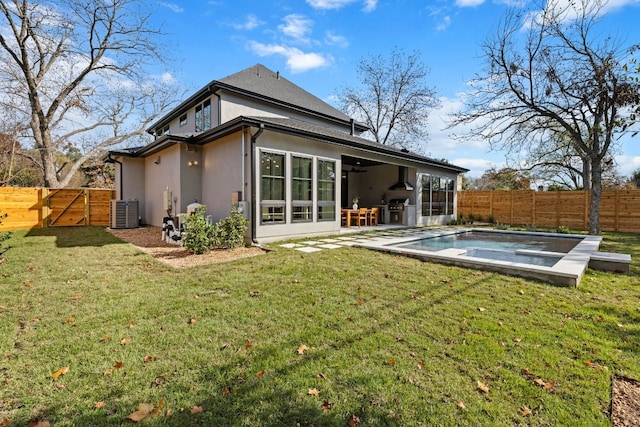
point(193, 163)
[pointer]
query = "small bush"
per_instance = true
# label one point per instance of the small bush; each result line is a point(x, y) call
point(198, 233)
point(500, 226)
point(200, 237)
point(530, 227)
point(562, 229)
point(490, 219)
point(229, 231)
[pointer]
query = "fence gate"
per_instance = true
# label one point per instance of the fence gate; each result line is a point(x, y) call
point(67, 207)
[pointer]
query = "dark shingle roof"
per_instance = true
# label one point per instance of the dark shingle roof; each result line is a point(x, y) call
point(262, 83)
point(266, 83)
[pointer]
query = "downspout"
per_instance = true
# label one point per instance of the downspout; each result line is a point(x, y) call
point(254, 138)
point(219, 106)
point(112, 160)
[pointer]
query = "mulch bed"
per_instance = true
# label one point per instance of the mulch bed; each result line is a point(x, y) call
point(149, 239)
point(625, 402)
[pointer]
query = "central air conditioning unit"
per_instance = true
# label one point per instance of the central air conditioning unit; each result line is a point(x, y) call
point(124, 213)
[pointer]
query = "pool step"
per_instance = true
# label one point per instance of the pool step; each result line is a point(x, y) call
point(608, 261)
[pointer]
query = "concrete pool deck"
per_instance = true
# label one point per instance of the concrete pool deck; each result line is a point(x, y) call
point(568, 271)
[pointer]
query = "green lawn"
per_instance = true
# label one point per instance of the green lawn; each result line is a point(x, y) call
point(389, 340)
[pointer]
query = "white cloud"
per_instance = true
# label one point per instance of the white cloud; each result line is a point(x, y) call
point(444, 24)
point(174, 7)
point(469, 3)
point(626, 165)
point(297, 60)
point(369, 5)
point(296, 26)
point(335, 40)
point(250, 22)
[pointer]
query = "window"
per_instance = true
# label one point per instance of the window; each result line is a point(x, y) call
point(203, 116)
point(437, 196)
point(163, 131)
point(183, 120)
point(301, 192)
point(272, 197)
point(326, 190)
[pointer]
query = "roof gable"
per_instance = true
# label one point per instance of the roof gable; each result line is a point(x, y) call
point(261, 81)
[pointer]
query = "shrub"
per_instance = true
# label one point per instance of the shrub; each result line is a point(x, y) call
point(530, 227)
point(229, 231)
point(200, 237)
point(562, 229)
point(500, 226)
point(490, 219)
point(198, 233)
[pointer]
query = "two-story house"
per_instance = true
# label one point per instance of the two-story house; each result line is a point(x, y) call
point(287, 159)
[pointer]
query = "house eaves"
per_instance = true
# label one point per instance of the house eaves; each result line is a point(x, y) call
point(322, 134)
point(161, 143)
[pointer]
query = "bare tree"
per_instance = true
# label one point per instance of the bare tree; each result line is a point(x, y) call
point(74, 70)
point(547, 72)
point(393, 98)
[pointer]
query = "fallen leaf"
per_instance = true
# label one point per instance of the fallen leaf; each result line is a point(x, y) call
point(326, 406)
point(545, 385)
point(392, 362)
point(517, 339)
point(99, 405)
point(61, 371)
point(196, 409)
point(248, 345)
point(158, 410)
point(75, 297)
point(125, 340)
point(302, 349)
point(421, 365)
point(525, 411)
point(106, 338)
point(354, 421)
point(482, 309)
point(118, 365)
point(147, 359)
point(107, 372)
point(5, 422)
point(144, 409)
point(360, 302)
point(313, 392)
point(131, 325)
point(226, 390)
point(41, 424)
point(483, 387)
point(192, 321)
point(196, 296)
point(69, 320)
point(321, 375)
point(521, 292)
point(460, 404)
point(260, 374)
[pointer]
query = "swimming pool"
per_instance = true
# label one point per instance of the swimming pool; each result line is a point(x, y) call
point(509, 242)
point(556, 258)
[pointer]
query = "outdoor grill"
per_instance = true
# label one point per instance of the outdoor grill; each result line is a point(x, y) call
point(396, 210)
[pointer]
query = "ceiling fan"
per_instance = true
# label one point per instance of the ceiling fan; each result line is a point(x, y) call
point(354, 170)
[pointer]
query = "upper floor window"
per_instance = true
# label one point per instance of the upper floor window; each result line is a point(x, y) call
point(163, 131)
point(183, 120)
point(203, 116)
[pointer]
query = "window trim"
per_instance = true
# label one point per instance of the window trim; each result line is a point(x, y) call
point(308, 203)
point(325, 203)
point(270, 203)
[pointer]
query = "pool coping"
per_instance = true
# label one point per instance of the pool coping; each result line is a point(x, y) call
point(568, 271)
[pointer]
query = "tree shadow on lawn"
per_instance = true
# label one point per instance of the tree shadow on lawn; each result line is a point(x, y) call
point(241, 394)
point(81, 236)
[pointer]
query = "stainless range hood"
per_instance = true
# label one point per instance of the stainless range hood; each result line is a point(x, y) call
point(403, 183)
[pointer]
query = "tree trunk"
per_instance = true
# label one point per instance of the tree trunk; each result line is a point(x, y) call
point(586, 173)
point(596, 192)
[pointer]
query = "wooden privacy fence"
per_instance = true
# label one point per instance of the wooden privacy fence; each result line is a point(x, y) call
point(43, 207)
point(619, 209)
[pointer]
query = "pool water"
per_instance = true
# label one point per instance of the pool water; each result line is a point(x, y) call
point(542, 260)
point(510, 242)
point(500, 246)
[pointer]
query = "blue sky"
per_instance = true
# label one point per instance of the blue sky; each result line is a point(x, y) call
point(317, 43)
